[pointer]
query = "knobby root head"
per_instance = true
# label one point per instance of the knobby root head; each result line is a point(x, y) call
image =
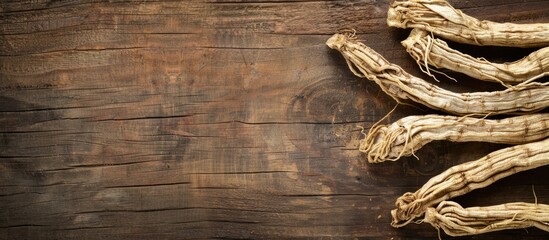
point(406, 210)
point(394, 18)
point(336, 41)
point(382, 144)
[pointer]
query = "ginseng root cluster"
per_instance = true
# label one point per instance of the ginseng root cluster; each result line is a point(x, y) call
point(523, 96)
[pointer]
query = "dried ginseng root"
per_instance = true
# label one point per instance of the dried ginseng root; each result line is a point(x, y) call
point(402, 86)
point(463, 178)
point(406, 135)
point(455, 220)
point(440, 18)
point(427, 50)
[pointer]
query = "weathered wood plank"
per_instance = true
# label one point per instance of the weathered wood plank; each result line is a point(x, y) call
point(213, 119)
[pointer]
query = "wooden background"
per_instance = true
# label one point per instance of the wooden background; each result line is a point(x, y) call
point(215, 119)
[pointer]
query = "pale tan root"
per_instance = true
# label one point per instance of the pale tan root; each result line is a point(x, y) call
point(427, 50)
point(463, 178)
point(455, 220)
point(406, 135)
point(401, 86)
point(440, 18)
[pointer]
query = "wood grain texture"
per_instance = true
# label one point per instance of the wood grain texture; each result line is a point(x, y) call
point(215, 119)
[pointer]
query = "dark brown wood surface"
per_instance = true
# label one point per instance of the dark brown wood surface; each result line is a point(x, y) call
point(215, 119)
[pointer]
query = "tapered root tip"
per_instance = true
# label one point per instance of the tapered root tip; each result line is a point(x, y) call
point(336, 41)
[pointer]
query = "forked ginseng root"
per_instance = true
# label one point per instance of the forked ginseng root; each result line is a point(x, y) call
point(455, 220)
point(463, 178)
point(408, 134)
point(427, 50)
point(402, 86)
point(440, 18)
